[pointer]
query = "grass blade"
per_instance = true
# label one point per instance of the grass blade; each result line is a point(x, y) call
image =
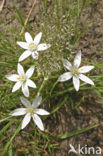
point(9, 143)
point(76, 132)
point(59, 105)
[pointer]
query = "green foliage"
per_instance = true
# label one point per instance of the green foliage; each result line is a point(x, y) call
point(59, 23)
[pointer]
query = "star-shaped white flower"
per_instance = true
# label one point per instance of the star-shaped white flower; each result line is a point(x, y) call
point(32, 46)
point(76, 72)
point(30, 111)
point(22, 79)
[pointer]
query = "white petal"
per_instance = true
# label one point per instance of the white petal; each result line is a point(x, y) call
point(38, 122)
point(86, 79)
point(12, 77)
point(35, 55)
point(30, 71)
point(85, 69)
point(26, 120)
point(76, 83)
point(25, 89)
point(30, 83)
point(37, 38)
point(67, 64)
point(19, 111)
point(25, 102)
point(28, 38)
point(24, 55)
point(42, 112)
point(20, 69)
point(64, 77)
point(37, 102)
point(43, 46)
point(77, 60)
point(16, 86)
point(23, 45)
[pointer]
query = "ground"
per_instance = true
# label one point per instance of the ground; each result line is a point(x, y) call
point(90, 111)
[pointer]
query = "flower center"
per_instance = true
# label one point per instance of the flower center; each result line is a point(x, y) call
point(22, 79)
point(30, 110)
point(75, 71)
point(32, 46)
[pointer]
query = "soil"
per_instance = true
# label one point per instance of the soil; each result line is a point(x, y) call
point(90, 111)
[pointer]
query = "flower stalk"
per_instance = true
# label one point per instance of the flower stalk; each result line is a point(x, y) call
point(42, 86)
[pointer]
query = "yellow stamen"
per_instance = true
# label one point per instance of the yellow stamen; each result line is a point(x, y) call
point(31, 110)
point(76, 72)
point(32, 46)
point(22, 78)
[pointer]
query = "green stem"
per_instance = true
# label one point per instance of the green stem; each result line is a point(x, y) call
point(42, 86)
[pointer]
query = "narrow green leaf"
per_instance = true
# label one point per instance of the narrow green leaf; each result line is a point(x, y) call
point(6, 127)
point(59, 105)
point(78, 103)
point(20, 17)
point(10, 150)
point(10, 141)
point(53, 87)
point(76, 132)
point(2, 120)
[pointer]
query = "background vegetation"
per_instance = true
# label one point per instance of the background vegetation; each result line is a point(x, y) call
point(59, 21)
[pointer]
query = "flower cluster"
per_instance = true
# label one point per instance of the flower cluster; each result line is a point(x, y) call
point(23, 81)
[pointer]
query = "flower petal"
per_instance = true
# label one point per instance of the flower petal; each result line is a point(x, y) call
point(20, 69)
point(30, 83)
point(19, 111)
point(42, 112)
point(64, 77)
point(25, 102)
point(76, 83)
point(26, 120)
point(43, 46)
point(85, 69)
point(86, 79)
point(35, 55)
point(77, 60)
point(37, 102)
point(28, 38)
point(23, 45)
point(67, 64)
point(26, 54)
point(30, 71)
point(38, 122)
point(16, 86)
point(25, 89)
point(37, 38)
point(12, 77)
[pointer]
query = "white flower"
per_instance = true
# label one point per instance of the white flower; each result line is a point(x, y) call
point(22, 79)
point(32, 46)
point(30, 111)
point(76, 72)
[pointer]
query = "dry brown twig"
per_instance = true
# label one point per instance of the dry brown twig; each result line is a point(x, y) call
point(2, 5)
point(29, 14)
